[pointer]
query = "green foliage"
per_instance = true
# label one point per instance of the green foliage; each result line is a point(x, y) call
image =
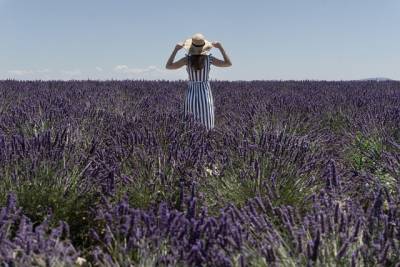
point(278, 179)
point(151, 181)
point(289, 187)
point(228, 187)
point(335, 121)
point(387, 180)
point(365, 155)
point(46, 193)
point(139, 194)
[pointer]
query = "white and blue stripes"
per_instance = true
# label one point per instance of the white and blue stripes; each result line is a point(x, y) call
point(199, 99)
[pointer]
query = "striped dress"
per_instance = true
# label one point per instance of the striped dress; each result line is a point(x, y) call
point(199, 100)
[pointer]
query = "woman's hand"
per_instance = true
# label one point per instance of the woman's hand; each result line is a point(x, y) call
point(178, 46)
point(217, 44)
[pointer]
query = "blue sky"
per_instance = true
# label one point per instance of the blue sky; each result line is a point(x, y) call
point(272, 40)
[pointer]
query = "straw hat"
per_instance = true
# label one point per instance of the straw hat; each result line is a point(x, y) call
point(197, 45)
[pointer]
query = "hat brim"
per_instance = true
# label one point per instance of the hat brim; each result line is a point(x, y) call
point(193, 50)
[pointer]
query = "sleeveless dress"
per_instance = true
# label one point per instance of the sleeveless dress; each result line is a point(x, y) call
point(199, 100)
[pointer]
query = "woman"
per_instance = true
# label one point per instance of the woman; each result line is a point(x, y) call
point(199, 100)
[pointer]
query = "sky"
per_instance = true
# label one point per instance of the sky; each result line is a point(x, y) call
point(265, 39)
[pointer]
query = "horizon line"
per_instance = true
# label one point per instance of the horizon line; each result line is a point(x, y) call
point(211, 80)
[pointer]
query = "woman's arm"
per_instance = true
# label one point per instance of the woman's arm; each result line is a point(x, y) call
point(175, 65)
point(221, 63)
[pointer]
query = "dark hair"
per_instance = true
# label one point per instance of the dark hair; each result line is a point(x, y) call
point(197, 61)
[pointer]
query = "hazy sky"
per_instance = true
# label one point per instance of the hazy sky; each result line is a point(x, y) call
point(121, 39)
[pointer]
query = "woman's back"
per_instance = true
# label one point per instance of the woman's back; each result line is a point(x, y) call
point(198, 67)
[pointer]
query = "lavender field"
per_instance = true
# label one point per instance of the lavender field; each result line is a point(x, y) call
point(111, 173)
